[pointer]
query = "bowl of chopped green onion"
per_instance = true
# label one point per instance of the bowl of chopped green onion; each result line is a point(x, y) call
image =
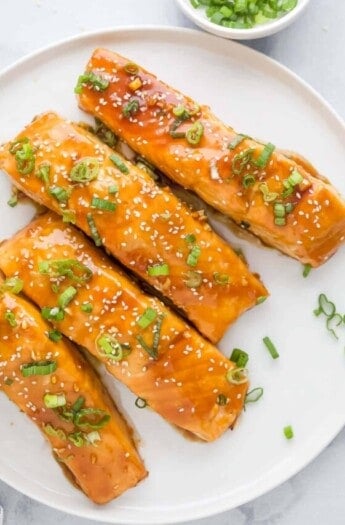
point(242, 19)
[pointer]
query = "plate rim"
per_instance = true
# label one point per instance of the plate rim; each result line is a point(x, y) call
point(216, 505)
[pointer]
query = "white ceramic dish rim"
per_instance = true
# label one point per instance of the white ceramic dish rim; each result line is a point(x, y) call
point(276, 476)
point(259, 31)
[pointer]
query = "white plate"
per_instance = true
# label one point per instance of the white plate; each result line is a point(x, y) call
point(304, 388)
point(198, 16)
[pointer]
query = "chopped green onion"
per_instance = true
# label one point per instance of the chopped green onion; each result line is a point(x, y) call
point(93, 437)
point(193, 279)
point(131, 108)
point(119, 164)
point(13, 200)
point(190, 238)
point(13, 285)
point(181, 112)
point(173, 130)
point(38, 368)
point(70, 268)
point(158, 270)
point(268, 196)
point(69, 216)
point(254, 395)
point(265, 155)
point(270, 347)
point(288, 432)
point(112, 190)
point(54, 432)
point(248, 181)
point(222, 400)
point(140, 402)
point(93, 418)
point(146, 347)
point(87, 308)
point(261, 299)
point(147, 318)
point(55, 335)
point(11, 319)
point(110, 347)
point(157, 333)
point(280, 221)
point(85, 170)
point(24, 155)
point(221, 278)
point(237, 376)
point(43, 173)
point(131, 68)
point(195, 133)
point(237, 141)
point(193, 256)
point(93, 230)
point(93, 81)
point(105, 134)
point(77, 439)
point(306, 269)
point(326, 307)
point(279, 210)
point(239, 357)
point(67, 296)
point(78, 404)
point(332, 322)
point(241, 160)
point(54, 400)
point(60, 194)
point(103, 204)
point(52, 314)
point(295, 178)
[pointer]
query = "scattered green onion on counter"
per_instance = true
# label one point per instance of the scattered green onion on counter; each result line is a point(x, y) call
point(244, 14)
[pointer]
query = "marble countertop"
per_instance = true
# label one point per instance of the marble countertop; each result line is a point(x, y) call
point(314, 48)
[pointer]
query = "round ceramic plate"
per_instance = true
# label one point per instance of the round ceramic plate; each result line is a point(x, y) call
point(304, 388)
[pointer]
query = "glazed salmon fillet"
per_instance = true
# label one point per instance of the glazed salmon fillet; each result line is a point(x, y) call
point(145, 227)
point(49, 380)
point(143, 344)
point(276, 198)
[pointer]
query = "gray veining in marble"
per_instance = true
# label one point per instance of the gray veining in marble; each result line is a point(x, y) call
point(314, 47)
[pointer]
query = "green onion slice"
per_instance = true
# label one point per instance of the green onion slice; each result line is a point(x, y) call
point(76, 438)
point(147, 318)
point(93, 81)
point(69, 216)
point(131, 108)
point(52, 314)
point(24, 155)
point(194, 255)
point(38, 368)
point(118, 162)
point(306, 269)
point(70, 268)
point(60, 194)
point(131, 68)
point(93, 437)
point(13, 285)
point(326, 307)
point(190, 238)
point(288, 432)
point(93, 418)
point(55, 335)
point(254, 395)
point(221, 278)
point(43, 173)
point(195, 133)
point(261, 299)
point(270, 347)
point(11, 319)
point(241, 160)
point(173, 130)
point(87, 308)
point(237, 376)
point(237, 141)
point(222, 400)
point(193, 279)
point(248, 181)
point(265, 155)
point(103, 204)
point(268, 196)
point(54, 432)
point(239, 357)
point(67, 296)
point(112, 190)
point(13, 200)
point(110, 347)
point(93, 230)
point(158, 270)
point(332, 322)
point(85, 170)
point(54, 400)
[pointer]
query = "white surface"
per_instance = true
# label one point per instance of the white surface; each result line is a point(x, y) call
point(198, 16)
point(317, 493)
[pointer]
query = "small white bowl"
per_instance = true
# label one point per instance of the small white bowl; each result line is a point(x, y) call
point(198, 16)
